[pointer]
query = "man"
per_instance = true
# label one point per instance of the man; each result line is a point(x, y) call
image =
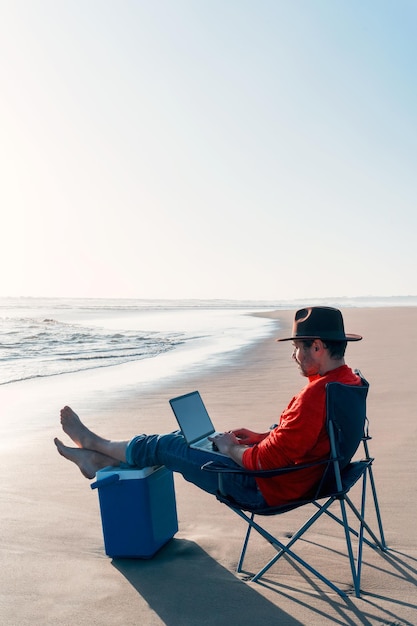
point(319, 342)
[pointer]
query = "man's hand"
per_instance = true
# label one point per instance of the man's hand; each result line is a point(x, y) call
point(248, 437)
point(229, 444)
point(224, 441)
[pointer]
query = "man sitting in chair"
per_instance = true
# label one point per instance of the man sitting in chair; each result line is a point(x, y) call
point(319, 342)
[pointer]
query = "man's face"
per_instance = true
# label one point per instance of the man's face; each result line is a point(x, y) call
point(305, 358)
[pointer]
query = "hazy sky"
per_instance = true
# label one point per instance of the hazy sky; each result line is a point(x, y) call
point(260, 149)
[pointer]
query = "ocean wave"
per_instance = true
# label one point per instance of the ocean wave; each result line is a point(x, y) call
point(48, 347)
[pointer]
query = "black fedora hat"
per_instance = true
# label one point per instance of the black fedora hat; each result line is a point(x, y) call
point(320, 322)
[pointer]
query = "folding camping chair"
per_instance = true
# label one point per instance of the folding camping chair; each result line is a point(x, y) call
point(347, 426)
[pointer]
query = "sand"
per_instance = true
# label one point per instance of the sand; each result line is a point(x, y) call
point(53, 566)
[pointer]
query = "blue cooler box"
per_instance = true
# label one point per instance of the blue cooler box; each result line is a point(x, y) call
point(138, 510)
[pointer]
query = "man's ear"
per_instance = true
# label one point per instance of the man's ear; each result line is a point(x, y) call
point(318, 345)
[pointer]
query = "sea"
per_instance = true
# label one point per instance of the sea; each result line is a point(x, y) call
point(51, 337)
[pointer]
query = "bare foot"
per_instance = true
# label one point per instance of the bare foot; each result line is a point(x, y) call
point(88, 461)
point(74, 428)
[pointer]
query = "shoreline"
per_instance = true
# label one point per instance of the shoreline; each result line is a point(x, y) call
point(54, 567)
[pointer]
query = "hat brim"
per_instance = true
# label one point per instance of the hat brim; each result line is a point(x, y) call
point(349, 337)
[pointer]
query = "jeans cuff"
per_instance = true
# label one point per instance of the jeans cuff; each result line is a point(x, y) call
point(131, 449)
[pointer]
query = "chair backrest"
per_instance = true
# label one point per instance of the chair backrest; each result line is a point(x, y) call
point(346, 417)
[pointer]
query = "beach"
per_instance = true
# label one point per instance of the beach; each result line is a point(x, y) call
point(54, 568)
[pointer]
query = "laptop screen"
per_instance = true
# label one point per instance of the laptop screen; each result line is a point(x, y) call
point(192, 416)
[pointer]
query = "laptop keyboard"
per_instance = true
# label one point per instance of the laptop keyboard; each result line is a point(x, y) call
point(205, 445)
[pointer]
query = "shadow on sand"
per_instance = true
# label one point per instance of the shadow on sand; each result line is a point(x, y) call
point(184, 585)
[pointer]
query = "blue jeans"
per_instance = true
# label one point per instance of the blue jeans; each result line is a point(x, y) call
point(172, 451)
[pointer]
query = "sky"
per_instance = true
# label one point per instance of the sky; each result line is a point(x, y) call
point(238, 149)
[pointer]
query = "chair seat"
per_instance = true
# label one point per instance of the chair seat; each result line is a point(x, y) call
point(350, 475)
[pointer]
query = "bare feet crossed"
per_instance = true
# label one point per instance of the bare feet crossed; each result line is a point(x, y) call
point(93, 452)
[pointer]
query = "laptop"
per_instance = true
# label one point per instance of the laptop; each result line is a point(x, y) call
point(194, 421)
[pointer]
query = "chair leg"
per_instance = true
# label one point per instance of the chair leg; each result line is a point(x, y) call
point(377, 511)
point(361, 529)
point(382, 544)
point(355, 566)
point(245, 545)
point(377, 543)
point(357, 569)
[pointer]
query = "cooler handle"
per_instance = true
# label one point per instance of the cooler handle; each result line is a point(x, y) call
point(109, 480)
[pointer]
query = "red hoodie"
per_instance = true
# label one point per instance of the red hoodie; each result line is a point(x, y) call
point(301, 437)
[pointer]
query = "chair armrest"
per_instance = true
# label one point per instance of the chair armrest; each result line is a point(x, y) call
point(217, 467)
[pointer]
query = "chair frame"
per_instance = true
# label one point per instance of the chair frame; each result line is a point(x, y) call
point(340, 475)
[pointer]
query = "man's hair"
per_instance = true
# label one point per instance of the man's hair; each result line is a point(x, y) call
point(336, 348)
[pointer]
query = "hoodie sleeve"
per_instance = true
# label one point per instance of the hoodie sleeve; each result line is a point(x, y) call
point(294, 440)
